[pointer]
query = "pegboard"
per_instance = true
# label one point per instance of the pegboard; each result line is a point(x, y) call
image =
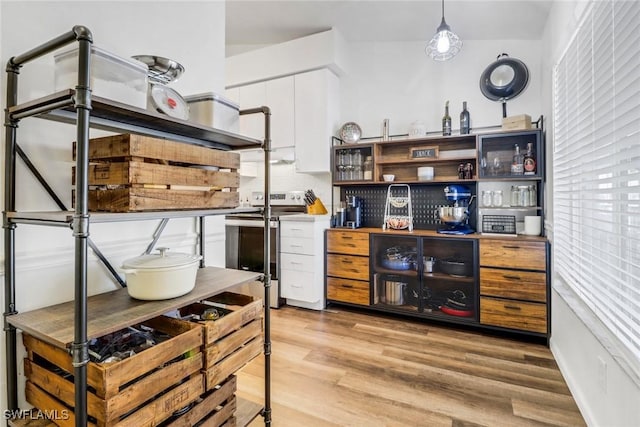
point(425, 198)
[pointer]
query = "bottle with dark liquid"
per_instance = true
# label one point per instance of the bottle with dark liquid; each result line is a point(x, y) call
point(529, 162)
point(446, 120)
point(465, 119)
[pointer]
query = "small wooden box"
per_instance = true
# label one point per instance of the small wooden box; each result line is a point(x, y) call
point(138, 173)
point(144, 389)
point(519, 122)
point(232, 340)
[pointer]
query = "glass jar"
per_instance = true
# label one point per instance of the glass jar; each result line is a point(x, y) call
point(515, 196)
point(523, 192)
point(533, 196)
point(497, 199)
point(487, 198)
point(367, 168)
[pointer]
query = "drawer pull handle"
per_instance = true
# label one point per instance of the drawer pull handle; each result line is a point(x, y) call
point(506, 276)
point(512, 307)
point(344, 285)
point(296, 229)
point(347, 237)
point(296, 246)
point(346, 261)
point(511, 247)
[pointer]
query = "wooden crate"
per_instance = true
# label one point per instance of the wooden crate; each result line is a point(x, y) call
point(144, 389)
point(214, 408)
point(519, 122)
point(232, 340)
point(139, 173)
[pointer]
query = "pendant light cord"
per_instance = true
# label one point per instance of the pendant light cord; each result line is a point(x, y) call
point(442, 9)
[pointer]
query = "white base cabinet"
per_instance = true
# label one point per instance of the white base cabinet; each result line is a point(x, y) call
point(301, 260)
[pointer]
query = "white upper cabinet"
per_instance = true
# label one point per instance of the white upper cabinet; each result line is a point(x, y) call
point(317, 113)
point(251, 96)
point(280, 99)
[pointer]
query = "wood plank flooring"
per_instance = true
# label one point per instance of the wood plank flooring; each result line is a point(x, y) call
point(345, 368)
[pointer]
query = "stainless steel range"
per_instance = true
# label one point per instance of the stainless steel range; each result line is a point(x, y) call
point(245, 239)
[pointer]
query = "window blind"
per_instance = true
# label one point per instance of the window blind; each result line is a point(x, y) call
point(596, 167)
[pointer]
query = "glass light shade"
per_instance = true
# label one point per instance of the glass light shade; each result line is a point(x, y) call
point(445, 44)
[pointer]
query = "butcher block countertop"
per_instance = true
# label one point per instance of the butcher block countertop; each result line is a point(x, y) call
point(434, 233)
point(111, 311)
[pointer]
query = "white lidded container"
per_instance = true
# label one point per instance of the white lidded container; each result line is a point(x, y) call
point(161, 276)
point(112, 77)
point(211, 109)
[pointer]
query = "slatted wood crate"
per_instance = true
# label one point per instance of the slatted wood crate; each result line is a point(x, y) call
point(214, 408)
point(142, 390)
point(232, 340)
point(131, 172)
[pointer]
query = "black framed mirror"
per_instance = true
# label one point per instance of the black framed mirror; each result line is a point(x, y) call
point(504, 79)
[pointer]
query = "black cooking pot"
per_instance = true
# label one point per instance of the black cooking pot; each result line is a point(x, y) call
point(504, 79)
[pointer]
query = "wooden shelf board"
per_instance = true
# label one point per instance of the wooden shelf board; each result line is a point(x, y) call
point(115, 310)
point(246, 411)
point(417, 162)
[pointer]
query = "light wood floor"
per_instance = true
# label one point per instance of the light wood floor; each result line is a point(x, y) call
point(344, 368)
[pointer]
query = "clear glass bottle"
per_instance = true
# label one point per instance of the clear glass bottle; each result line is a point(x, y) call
point(357, 165)
point(523, 191)
point(516, 164)
point(465, 119)
point(367, 168)
point(446, 120)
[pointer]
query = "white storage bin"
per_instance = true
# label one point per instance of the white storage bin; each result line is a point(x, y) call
point(112, 77)
point(211, 109)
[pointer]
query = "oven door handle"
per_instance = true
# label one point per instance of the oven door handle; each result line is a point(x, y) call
point(258, 223)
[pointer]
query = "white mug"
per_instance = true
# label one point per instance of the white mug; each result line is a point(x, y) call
point(532, 225)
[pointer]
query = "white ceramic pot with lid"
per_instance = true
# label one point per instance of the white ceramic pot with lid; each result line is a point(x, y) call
point(162, 275)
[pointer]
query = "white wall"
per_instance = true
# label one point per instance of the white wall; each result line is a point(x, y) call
point(191, 33)
point(606, 390)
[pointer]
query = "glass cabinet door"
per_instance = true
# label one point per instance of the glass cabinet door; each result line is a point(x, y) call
point(395, 265)
point(449, 286)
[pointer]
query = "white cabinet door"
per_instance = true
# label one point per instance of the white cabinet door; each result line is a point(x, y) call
point(252, 96)
point(316, 105)
point(280, 99)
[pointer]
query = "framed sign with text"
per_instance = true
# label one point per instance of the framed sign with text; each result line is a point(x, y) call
point(424, 152)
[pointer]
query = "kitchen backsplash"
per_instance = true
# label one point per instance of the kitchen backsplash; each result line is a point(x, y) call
point(285, 178)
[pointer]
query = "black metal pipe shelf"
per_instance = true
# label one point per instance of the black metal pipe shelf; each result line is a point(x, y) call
point(66, 217)
point(114, 116)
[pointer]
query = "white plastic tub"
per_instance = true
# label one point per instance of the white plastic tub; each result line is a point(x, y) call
point(211, 109)
point(112, 77)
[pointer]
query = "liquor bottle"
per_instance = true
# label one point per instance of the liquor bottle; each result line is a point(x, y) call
point(446, 120)
point(465, 119)
point(529, 162)
point(516, 165)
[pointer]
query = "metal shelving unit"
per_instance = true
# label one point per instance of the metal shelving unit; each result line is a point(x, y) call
point(78, 106)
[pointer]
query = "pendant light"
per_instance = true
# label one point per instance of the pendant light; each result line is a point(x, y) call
point(445, 44)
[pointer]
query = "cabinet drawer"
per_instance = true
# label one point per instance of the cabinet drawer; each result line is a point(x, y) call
point(345, 290)
point(295, 262)
point(296, 229)
point(300, 285)
point(296, 245)
point(526, 316)
point(348, 242)
point(513, 254)
point(525, 285)
point(350, 267)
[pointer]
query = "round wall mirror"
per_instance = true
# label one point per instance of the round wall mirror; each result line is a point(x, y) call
point(504, 79)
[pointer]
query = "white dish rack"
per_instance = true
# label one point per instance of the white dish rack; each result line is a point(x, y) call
point(398, 213)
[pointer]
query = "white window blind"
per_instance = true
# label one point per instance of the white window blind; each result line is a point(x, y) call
point(596, 167)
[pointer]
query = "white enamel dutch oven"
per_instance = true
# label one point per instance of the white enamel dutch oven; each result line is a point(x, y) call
point(161, 276)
